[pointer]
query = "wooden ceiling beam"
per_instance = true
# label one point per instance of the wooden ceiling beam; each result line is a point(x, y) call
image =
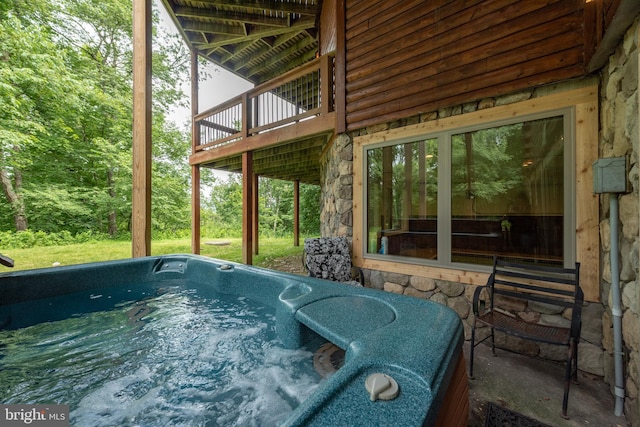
point(255, 33)
point(214, 28)
point(307, 172)
point(293, 63)
point(308, 8)
point(234, 51)
point(303, 146)
point(279, 56)
point(273, 166)
point(290, 175)
point(260, 52)
point(211, 15)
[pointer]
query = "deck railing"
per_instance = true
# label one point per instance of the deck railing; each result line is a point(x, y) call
point(301, 94)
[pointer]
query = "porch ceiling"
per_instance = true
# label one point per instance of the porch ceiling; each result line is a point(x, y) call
point(257, 40)
point(294, 161)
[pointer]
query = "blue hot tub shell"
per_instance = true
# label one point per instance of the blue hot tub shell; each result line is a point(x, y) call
point(416, 342)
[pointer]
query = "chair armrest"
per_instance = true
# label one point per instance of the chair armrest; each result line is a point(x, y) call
point(476, 298)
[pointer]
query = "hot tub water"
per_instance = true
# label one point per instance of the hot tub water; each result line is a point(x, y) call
point(175, 357)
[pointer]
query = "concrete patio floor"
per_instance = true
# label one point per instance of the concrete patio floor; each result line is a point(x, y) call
point(534, 388)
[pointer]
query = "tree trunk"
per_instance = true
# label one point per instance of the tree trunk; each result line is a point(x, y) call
point(275, 214)
point(11, 191)
point(113, 223)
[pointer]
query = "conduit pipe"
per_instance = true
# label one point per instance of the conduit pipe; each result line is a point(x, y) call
point(616, 308)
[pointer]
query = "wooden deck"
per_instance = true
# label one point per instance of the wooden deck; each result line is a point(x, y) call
point(286, 123)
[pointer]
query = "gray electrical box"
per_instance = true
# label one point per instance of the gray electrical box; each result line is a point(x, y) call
point(610, 175)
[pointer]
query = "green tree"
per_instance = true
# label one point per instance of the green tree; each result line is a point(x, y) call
point(310, 209)
point(226, 201)
point(33, 76)
point(66, 120)
point(276, 206)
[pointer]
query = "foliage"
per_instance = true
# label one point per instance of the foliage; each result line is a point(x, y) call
point(66, 119)
point(223, 210)
point(32, 239)
point(483, 163)
point(66, 133)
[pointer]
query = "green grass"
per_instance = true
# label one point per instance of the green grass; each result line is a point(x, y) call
point(39, 257)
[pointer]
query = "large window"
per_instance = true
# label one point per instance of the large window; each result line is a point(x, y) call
point(464, 196)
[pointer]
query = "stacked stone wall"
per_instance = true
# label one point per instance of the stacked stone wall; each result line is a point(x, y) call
point(619, 136)
point(336, 213)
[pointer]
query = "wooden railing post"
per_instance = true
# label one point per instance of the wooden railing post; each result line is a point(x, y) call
point(255, 109)
point(246, 111)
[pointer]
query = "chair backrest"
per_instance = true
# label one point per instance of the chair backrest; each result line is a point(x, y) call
point(545, 284)
point(328, 258)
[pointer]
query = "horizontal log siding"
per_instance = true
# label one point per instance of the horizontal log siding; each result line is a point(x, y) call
point(410, 57)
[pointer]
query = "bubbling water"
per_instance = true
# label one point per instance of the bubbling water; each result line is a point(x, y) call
point(172, 359)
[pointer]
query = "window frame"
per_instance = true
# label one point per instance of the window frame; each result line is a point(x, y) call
point(581, 221)
point(444, 215)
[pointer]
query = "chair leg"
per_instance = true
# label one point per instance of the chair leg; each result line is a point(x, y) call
point(575, 362)
point(471, 352)
point(567, 378)
point(493, 342)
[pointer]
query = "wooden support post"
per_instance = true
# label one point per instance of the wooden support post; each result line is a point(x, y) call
point(296, 213)
point(247, 207)
point(195, 209)
point(141, 197)
point(256, 215)
point(340, 67)
point(195, 169)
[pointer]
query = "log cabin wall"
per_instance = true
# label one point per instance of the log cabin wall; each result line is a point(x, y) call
point(407, 57)
point(328, 33)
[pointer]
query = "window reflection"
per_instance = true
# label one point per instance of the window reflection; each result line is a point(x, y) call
point(506, 194)
point(402, 199)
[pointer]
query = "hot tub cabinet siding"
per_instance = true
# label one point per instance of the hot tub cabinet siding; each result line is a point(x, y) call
point(418, 343)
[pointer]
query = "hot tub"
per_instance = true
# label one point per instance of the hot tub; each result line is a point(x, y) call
point(416, 345)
